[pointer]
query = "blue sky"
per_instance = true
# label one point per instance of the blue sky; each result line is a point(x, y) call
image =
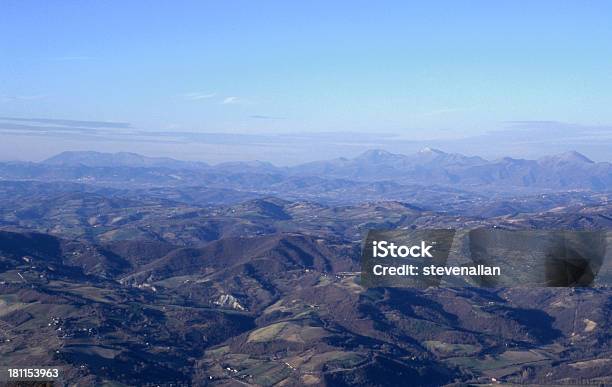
point(421, 70)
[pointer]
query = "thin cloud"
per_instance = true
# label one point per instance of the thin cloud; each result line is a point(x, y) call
point(68, 58)
point(443, 111)
point(533, 122)
point(196, 96)
point(561, 128)
point(230, 100)
point(9, 98)
point(264, 117)
point(70, 123)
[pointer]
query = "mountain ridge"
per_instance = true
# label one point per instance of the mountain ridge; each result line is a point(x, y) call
point(375, 155)
point(569, 170)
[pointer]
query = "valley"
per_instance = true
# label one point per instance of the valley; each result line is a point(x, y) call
point(129, 282)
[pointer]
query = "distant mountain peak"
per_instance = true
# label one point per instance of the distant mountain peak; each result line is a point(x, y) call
point(570, 156)
point(428, 150)
point(376, 152)
point(376, 155)
point(575, 156)
point(117, 159)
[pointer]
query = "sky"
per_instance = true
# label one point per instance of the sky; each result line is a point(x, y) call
point(442, 72)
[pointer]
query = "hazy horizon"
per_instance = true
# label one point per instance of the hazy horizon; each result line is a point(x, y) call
point(294, 82)
point(522, 139)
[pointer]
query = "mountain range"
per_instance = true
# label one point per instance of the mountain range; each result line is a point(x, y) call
point(566, 171)
point(129, 270)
